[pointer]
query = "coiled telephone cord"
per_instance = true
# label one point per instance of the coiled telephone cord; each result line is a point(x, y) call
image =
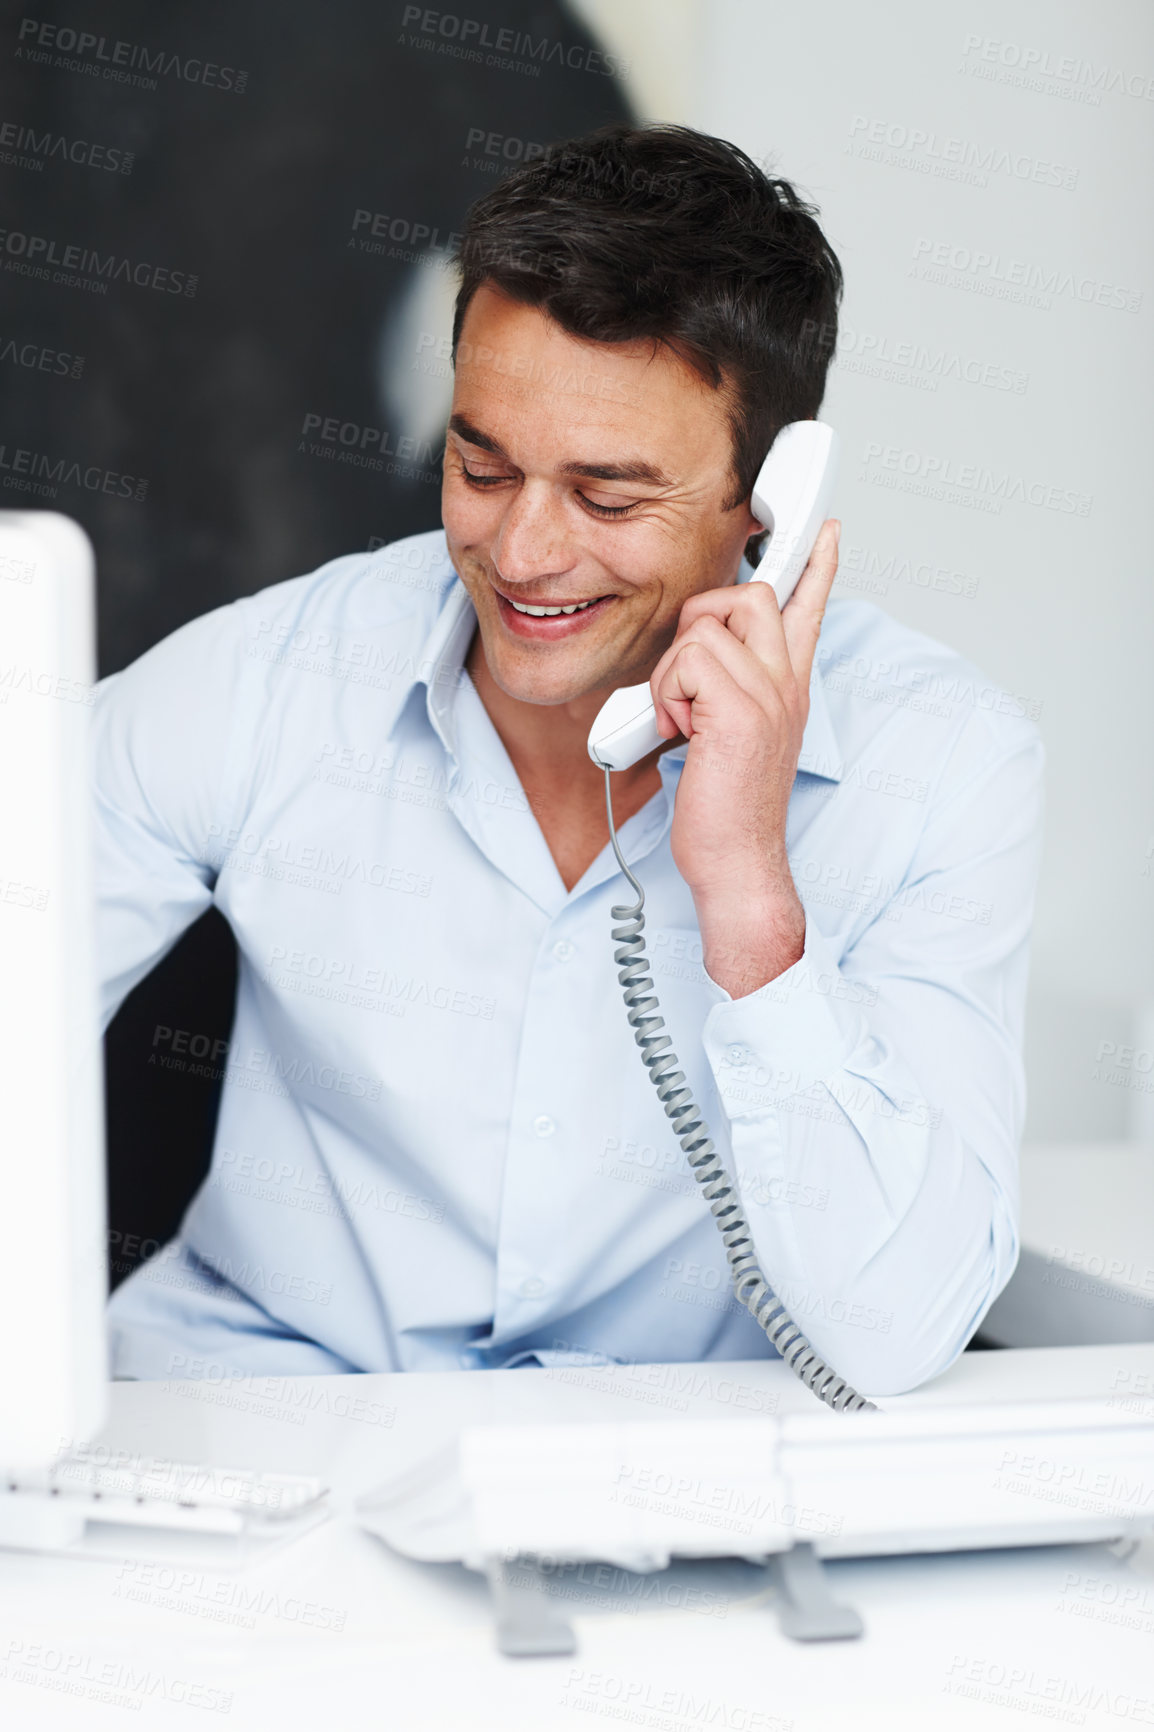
point(749, 1283)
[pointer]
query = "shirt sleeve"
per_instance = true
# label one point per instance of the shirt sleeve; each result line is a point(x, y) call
point(162, 776)
point(876, 1098)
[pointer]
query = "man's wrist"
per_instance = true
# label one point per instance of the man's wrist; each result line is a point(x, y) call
point(750, 937)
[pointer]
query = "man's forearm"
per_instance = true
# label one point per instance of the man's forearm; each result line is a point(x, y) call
point(751, 935)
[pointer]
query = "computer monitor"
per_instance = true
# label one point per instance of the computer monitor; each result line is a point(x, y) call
point(53, 1277)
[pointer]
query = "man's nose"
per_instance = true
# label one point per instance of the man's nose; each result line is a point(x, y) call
point(533, 541)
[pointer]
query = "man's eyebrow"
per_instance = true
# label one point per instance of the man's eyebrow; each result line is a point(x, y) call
point(463, 427)
point(637, 470)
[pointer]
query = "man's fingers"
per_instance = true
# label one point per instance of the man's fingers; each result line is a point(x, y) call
point(696, 675)
point(745, 668)
point(748, 615)
point(748, 610)
point(766, 652)
point(803, 613)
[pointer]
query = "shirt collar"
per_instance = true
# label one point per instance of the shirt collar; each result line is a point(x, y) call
point(820, 754)
point(441, 662)
point(441, 670)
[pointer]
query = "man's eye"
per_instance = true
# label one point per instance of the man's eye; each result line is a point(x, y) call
point(475, 479)
point(607, 510)
point(481, 480)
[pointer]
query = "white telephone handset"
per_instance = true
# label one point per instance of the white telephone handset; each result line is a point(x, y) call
point(791, 497)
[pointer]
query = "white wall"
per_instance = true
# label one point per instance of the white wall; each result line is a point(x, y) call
point(1059, 605)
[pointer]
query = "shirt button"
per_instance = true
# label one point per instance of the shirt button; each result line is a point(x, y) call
point(563, 950)
point(544, 1126)
point(532, 1288)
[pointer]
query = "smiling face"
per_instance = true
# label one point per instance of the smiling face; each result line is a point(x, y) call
point(582, 476)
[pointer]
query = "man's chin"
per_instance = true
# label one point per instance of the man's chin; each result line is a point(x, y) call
point(553, 674)
point(553, 687)
point(548, 695)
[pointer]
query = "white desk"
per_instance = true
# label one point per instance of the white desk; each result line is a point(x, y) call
point(1086, 1269)
point(336, 1632)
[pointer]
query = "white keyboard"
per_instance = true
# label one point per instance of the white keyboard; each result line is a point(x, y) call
point(143, 1491)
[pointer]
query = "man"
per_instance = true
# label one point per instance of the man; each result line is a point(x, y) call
point(437, 1145)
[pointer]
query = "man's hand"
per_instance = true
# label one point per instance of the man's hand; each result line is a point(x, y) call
point(735, 681)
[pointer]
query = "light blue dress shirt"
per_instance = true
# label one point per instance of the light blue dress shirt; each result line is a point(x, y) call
point(437, 1145)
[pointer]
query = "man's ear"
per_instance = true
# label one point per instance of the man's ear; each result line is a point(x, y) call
point(756, 534)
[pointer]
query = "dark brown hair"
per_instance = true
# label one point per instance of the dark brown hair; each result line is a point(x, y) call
point(667, 233)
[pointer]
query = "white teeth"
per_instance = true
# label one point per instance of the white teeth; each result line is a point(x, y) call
point(551, 612)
